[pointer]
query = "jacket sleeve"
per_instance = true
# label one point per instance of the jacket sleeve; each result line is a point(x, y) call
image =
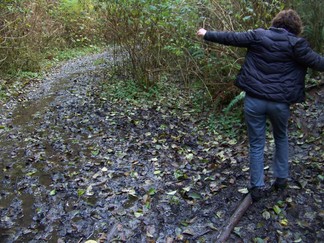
point(239, 39)
point(307, 57)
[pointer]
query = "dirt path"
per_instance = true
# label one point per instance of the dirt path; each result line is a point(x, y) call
point(75, 167)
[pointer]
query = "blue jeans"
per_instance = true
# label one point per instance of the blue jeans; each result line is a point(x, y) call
point(256, 112)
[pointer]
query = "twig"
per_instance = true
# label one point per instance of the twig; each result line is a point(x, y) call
point(319, 85)
point(99, 183)
point(2, 60)
point(111, 232)
point(202, 234)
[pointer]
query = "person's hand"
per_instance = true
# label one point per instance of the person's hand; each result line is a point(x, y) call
point(201, 32)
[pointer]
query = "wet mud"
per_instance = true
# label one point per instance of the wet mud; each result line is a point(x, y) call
point(76, 167)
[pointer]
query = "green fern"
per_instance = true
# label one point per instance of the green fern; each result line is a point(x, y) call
point(237, 99)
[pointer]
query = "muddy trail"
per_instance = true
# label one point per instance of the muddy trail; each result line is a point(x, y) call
point(76, 166)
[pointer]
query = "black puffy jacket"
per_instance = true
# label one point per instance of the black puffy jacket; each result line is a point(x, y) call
point(275, 64)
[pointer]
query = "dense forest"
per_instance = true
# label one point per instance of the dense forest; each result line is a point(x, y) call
point(119, 124)
point(157, 37)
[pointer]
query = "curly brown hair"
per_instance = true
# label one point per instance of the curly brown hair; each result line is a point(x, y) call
point(288, 20)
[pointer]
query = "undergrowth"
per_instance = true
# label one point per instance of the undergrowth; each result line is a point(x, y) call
point(12, 84)
point(194, 101)
point(56, 56)
point(226, 123)
point(128, 90)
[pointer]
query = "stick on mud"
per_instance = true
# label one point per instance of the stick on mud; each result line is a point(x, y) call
point(235, 218)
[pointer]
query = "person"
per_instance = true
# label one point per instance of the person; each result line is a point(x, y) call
point(273, 78)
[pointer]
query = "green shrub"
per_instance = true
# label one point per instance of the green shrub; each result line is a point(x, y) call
point(79, 20)
point(31, 30)
point(312, 14)
point(155, 36)
point(24, 26)
point(158, 39)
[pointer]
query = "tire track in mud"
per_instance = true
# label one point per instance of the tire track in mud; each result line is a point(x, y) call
point(34, 146)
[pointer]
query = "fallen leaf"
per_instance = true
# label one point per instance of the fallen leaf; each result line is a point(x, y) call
point(151, 191)
point(284, 222)
point(266, 215)
point(138, 213)
point(52, 193)
point(276, 209)
point(188, 232)
point(245, 169)
point(172, 193)
point(194, 195)
point(150, 230)
point(243, 190)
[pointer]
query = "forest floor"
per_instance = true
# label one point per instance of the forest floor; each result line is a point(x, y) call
point(78, 166)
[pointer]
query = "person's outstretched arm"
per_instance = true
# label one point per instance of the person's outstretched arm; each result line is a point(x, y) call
point(306, 56)
point(240, 39)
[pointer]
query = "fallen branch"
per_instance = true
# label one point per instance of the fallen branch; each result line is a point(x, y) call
point(235, 218)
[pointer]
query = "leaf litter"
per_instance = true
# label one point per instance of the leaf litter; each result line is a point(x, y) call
point(79, 167)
